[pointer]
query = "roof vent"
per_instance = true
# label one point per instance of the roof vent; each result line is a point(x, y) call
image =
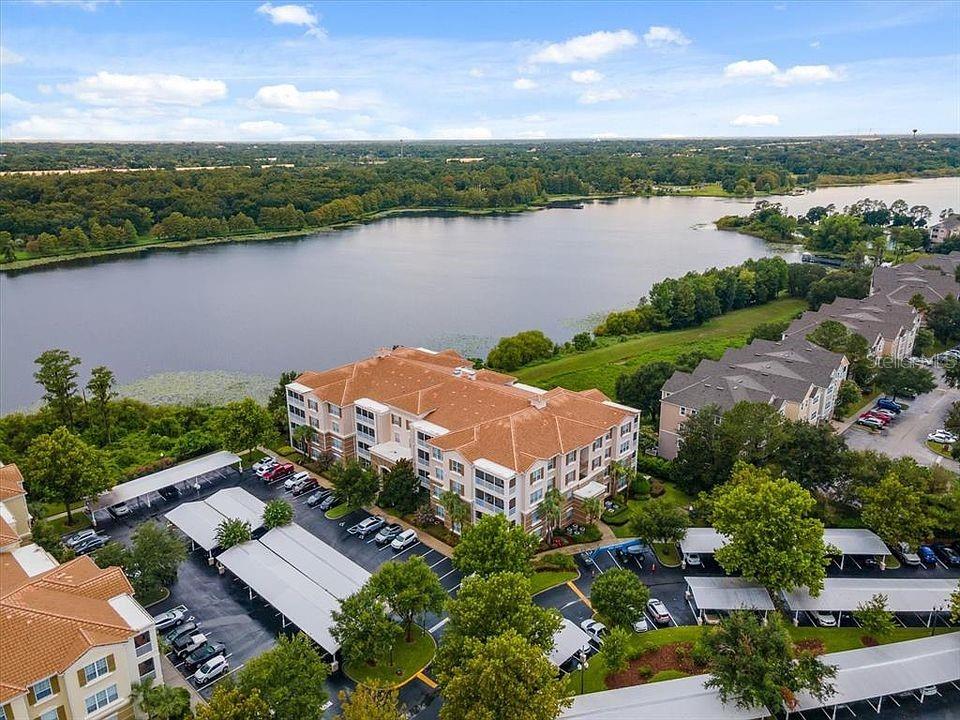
point(383, 352)
point(465, 372)
point(539, 401)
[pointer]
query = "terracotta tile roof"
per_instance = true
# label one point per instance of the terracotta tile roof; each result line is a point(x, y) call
point(7, 534)
point(50, 620)
point(11, 482)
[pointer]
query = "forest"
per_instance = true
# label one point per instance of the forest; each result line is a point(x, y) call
point(147, 193)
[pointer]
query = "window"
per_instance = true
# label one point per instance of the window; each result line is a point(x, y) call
point(337, 444)
point(396, 420)
point(571, 477)
point(101, 699)
point(683, 410)
point(456, 467)
point(334, 410)
point(552, 464)
point(438, 473)
point(595, 464)
point(609, 435)
point(439, 512)
point(294, 410)
point(96, 669)
point(607, 453)
point(536, 476)
point(437, 454)
point(147, 669)
point(43, 689)
point(48, 715)
point(536, 496)
point(571, 457)
point(368, 431)
point(314, 423)
point(312, 404)
point(294, 395)
point(624, 447)
point(423, 457)
point(456, 487)
point(422, 438)
point(364, 413)
point(363, 446)
point(624, 429)
point(598, 443)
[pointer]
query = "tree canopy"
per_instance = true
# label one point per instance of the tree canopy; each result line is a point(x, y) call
point(619, 596)
point(289, 677)
point(494, 544)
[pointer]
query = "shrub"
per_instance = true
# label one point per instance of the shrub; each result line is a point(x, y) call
point(556, 561)
point(657, 489)
point(286, 450)
point(591, 533)
point(640, 487)
point(644, 672)
point(655, 466)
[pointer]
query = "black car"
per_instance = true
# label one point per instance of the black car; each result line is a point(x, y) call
point(169, 493)
point(90, 544)
point(329, 502)
point(199, 656)
point(319, 496)
point(388, 533)
point(187, 628)
point(947, 554)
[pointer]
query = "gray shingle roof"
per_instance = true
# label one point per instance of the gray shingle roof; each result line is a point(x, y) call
point(900, 283)
point(870, 318)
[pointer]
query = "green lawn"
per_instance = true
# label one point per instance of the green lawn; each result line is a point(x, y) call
point(667, 675)
point(80, 521)
point(667, 554)
point(546, 579)
point(601, 366)
point(672, 494)
point(939, 449)
point(339, 511)
point(408, 659)
point(846, 638)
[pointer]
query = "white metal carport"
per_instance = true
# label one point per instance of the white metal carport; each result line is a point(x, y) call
point(337, 574)
point(568, 642)
point(199, 520)
point(726, 593)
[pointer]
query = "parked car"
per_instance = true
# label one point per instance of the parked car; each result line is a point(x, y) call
point(404, 540)
point(947, 554)
point(596, 630)
point(906, 555)
point(927, 555)
point(171, 492)
point(90, 544)
point(189, 627)
point(278, 472)
point(882, 418)
point(120, 510)
point(825, 619)
point(203, 653)
point(186, 644)
point(889, 404)
point(942, 436)
point(692, 559)
point(304, 485)
point(636, 552)
point(870, 422)
point(658, 611)
point(319, 496)
point(262, 466)
point(74, 539)
point(291, 481)
point(169, 619)
point(330, 501)
point(883, 412)
point(388, 533)
point(211, 669)
point(367, 526)
point(641, 625)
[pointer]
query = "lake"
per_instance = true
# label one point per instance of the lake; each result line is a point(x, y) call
point(314, 302)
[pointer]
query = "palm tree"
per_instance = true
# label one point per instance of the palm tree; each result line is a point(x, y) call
point(551, 510)
point(303, 435)
point(619, 471)
point(593, 508)
point(455, 508)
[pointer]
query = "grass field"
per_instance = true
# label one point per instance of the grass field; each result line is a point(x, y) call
point(339, 511)
point(602, 366)
point(545, 579)
point(408, 659)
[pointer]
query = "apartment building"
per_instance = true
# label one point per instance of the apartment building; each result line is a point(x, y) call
point(798, 378)
point(73, 640)
point(890, 328)
point(14, 517)
point(945, 229)
point(497, 443)
point(932, 278)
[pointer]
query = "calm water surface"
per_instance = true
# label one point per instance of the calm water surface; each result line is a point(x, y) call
point(323, 300)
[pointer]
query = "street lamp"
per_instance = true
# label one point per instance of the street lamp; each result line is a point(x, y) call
point(582, 665)
point(937, 609)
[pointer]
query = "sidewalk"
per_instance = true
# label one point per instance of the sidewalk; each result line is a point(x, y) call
point(173, 678)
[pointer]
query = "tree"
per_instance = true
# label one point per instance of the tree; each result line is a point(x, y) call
point(955, 605)
point(233, 531)
point(368, 703)
point(551, 510)
point(277, 513)
point(582, 341)
point(894, 510)
point(58, 377)
point(756, 664)
point(229, 702)
point(355, 485)
point(277, 402)
point(504, 679)
point(641, 388)
point(401, 488)
point(616, 649)
point(113, 554)
point(592, 508)
point(46, 535)
point(512, 352)
point(619, 596)
point(289, 677)
point(657, 521)
point(155, 554)
point(899, 380)
point(455, 508)
point(943, 319)
point(772, 538)
point(161, 702)
point(811, 455)
point(768, 331)
point(243, 425)
point(409, 588)
point(874, 618)
point(924, 342)
point(494, 544)
point(303, 435)
point(63, 468)
point(101, 384)
point(363, 627)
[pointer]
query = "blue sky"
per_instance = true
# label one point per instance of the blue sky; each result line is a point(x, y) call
point(90, 70)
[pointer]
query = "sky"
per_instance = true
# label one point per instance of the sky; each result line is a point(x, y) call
point(271, 71)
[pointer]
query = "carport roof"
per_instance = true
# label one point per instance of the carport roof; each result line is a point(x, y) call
point(849, 541)
point(703, 541)
point(199, 520)
point(683, 698)
point(164, 478)
point(333, 571)
point(903, 595)
point(888, 669)
point(728, 593)
point(567, 642)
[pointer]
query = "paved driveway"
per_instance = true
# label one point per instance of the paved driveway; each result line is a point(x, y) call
point(907, 435)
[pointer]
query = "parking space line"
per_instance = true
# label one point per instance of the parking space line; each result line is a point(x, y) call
point(406, 550)
point(449, 573)
point(614, 560)
point(439, 625)
point(650, 621)
point(209, 684)
point(583, 598)
point(444, 557)
point(453, 589)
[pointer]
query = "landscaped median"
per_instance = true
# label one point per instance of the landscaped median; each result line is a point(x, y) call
point(405, 660)
point(341, 510)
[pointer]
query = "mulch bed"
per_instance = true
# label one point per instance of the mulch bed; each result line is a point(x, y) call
point(811, 645)
point(650, 663)
point(869, 641)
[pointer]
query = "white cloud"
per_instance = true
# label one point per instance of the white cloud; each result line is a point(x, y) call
point(660, 35)
point(755, 120)
point(815, 44)
point(750, 69)
point(592, 97)
point(766, 69)
point(464, 133)
point(106, 88)
point(671, 136)
point(11, 103)
point(45, 89)
point(88, 5)
point(477, 72)
point(524, 84)
point(533, 118)
point(586, 77)
point(262, 128)
point(299, 15)
point(9, 57)
point(585, 47)
point(289, 98)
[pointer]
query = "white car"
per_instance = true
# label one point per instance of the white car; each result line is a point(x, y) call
point(942, 436)
point(294, 480)
point(596, 630)
point(404, 540)
point(212, 668)
point(261, 467)
point(641, 625)
point(908, 556)
point(825, 619)
point(692, 559)
point(658, 611)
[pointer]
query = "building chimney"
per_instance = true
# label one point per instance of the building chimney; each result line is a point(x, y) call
point(383, 352)
point(539, 401)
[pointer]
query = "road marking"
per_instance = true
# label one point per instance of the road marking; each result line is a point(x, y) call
point(214, 682)
point(438, 562)
point(572, 602)
point(407, 549)
point(439, 625)
point(429, 550)
point(453, 589)
point(449, 573)
point(614, 560)
point(426, 680)
point(583, 598)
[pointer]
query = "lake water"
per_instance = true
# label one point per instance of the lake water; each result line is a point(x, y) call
point(323, 300)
